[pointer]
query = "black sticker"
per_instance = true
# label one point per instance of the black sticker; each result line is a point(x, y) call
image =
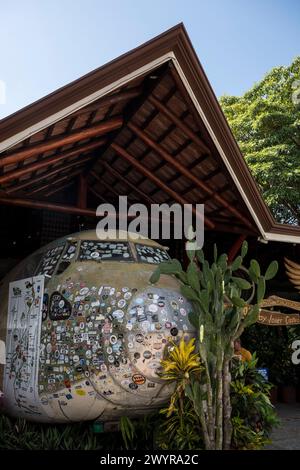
point(60, 308)
point(133, 386)
point(174, 331)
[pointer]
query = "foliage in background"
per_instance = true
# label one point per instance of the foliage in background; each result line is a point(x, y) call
point(253, 415)
point(274, 351)
point(220, 315)
point(266, 124)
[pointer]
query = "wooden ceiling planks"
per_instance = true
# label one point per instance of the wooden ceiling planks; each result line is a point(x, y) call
point(156, 123)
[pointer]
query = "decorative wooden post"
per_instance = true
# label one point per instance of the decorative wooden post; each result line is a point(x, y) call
point(82, 192)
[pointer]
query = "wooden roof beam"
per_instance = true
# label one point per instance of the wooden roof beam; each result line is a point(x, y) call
point(55, 142)
point(188, 174)
point(108, 101)
point(33, 204)
point(46, 175)
point(60, 188)
point(124, 180)
point(179, 123)
point(98, 195)
point(15, 174)
point(102, 182)
point(50, 183)
point(142, 169)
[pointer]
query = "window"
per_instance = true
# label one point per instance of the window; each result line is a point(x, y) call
point(151, 254)
point(49, 261)
point(104, 251)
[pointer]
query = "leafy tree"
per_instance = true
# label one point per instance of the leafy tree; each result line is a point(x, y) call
point(266, 124)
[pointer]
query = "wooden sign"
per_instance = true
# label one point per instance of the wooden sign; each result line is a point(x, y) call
point(266, 317)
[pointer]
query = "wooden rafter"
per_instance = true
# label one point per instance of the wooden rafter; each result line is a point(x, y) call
point(127, 182)
point(180, 124)
point(33, 204)
point(98, 195)
point(55, 142)
point(145, 124)
point(149, 85)
point(47, 175)
point(188, 174)
point(109, 100)
point(60, 188)
point(15, 174)
point(142, 169)
point(102, 182)
point(174, 178)
point(49, 184)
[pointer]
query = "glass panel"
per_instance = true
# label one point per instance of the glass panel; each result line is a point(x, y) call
point(151, 254)
point(49, 261)
point(70, 251)
point(104, 251)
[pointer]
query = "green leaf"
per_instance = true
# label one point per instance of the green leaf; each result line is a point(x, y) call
point(193, 276)
point(236, 264)
point(222, 261)
point(155, 276)
point(172, 266)
point(194, 319)
point(200, 256)
point(241, 283)
point(238, 302)
point(251, 316)
point(271, 271)
point(190, 254)
point(261, 289)
point(189, 293)
point(215, 253)
point(254, 270)
point(244, 249)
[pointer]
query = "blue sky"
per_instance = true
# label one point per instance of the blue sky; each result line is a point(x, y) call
point(45, 44)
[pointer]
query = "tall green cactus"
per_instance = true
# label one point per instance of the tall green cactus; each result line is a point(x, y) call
point(220, 314)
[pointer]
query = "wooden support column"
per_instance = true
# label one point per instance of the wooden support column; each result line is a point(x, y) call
point(143, 170)
point(236, 247)
point(185, 172)
point(82, 192)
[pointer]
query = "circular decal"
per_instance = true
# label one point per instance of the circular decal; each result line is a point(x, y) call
point(133, 386)
point(84, 291)
point(113, 339)
point(147, 354)
point(153, 308)
point(139, 338)
point(138, 379)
